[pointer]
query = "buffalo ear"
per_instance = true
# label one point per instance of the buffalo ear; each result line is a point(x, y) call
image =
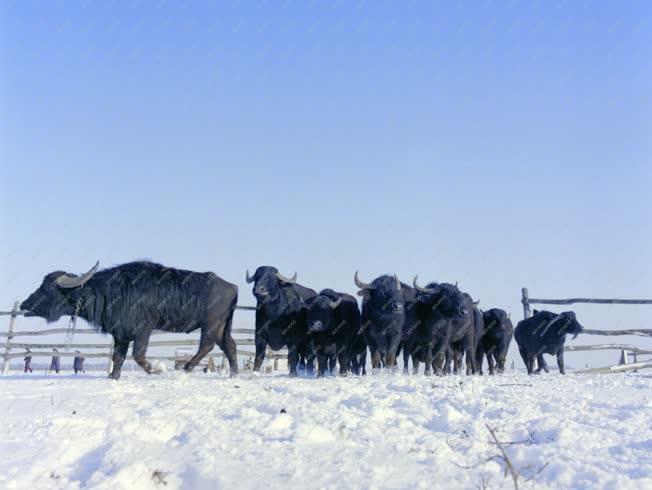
point(534, 312)
point(364, 293)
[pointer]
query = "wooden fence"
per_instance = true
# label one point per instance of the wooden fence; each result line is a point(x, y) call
point(9, 343)
point(626, 350)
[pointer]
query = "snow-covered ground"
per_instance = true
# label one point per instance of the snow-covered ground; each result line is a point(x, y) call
point(385, 431)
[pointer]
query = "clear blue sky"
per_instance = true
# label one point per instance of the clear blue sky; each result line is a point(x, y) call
point(499, 144)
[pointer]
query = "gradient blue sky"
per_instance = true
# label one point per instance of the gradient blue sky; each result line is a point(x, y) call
point(499, 144)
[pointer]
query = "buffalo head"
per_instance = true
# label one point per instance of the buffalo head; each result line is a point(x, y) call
point(384, 292)
point(267, 282)
point(320, 313)
point(443, 298)
point(57, 295)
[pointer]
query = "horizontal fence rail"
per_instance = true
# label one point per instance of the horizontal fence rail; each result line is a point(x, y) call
point(571, 301)
point(21, 312)
point(625, 349)
point(108, 354)
point(642, 332)
point(89, 350)
point(248, 331)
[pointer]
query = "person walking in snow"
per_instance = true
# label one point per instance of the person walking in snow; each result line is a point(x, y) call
point(28, 361)
point(55, 365)
point(78, 363)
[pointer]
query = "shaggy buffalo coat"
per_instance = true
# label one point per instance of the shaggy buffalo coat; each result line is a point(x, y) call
point(334, 331)
point(383, 317)
point(494, 340)
point(131, 300)
point(545, 333)
point(280, 317)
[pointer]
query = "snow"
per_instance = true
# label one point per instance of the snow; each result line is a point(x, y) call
point(384, 431)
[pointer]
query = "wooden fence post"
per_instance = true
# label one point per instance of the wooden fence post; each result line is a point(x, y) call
point(12, 326)
point(525, 299)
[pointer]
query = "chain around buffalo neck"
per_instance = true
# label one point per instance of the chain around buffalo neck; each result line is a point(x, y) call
point(70, 333)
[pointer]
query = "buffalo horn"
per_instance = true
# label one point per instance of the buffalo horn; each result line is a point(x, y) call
point(68, 281)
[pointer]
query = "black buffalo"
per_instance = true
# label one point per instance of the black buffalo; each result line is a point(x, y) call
point(445, 328)
point(383, 318)
point(130, 300)
point(334, 331)
point(545, 333)
point(494, 340)
point(280, 316)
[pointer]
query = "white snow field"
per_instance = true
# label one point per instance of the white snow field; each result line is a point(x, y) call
point(384, 431)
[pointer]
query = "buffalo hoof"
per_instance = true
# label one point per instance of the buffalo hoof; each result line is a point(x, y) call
point(294, 374)
point(427, 373)
point(234, 374)
point(115, 376)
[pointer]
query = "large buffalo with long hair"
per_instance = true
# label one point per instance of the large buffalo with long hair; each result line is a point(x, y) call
point(448, 327)
point(383, 318)
point(130, 300)
point(280, 316)
point(334, 332)
point(545, 333)
point(494, 340)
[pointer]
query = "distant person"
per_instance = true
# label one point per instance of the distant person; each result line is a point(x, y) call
point(78, 363)
point(28, 361)
point(55, 365)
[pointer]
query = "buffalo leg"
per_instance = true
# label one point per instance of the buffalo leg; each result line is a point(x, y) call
point(500, 360)
point(415, 364)
point(560, 361)
point(526, 359)
point(391, 360)
point(344, 358)
point(427, 369)
point(406, 358)
point(206, 343)
point(139, 351)
point(457, 361)
point(119, 354)
point(230, 351)
point(491, 362)
point(293, 361)
point(375, 361)
point(261, 347)
point(469, 353)
point(541, 364)
point(322, 363)
point(439, 361)
point(448, 359)
point(479, 358)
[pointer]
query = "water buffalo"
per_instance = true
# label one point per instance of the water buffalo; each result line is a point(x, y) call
point(545, 333)
point(445, 324)
point(130, 300)
point(494, 340)
point(383, 317)
point(334, 330)
point(280, 316)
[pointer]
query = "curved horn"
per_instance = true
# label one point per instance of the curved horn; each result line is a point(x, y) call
point(359, 283)
point(419, 288)
point(285, 279)
point(68, 281)
point(249, 278)
point(335, 304)
point(455, 283)
point(398, 282)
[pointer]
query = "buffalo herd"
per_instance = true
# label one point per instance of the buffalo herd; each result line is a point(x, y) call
point(437, 324)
